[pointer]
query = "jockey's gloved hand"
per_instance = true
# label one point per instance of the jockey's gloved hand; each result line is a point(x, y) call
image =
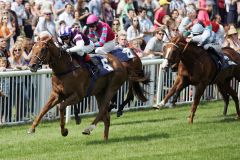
point(65, 46)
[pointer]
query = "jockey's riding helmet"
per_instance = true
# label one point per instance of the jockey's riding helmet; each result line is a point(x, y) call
point(64, 32)
point(197, 29)
point(92, 20)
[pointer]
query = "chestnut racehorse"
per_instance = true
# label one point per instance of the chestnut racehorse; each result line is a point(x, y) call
point(71, 82)
point(182, 81)
point(196, 68)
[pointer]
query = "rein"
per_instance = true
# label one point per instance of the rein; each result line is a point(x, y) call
point(61, 51)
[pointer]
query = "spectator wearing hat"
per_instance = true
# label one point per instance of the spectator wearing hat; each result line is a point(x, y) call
point(155, 44)
point(160, 13)
point(232, 39)
point(45, 23)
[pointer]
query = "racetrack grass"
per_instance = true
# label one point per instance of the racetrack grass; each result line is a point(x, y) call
point(139, 135)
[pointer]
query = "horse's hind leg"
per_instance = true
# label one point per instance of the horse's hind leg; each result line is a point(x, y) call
point(225, 96)
point(199, 92)
point(234, 96)
point(76, 114)
point(52, 101)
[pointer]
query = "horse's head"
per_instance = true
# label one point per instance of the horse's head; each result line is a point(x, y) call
point(172, 53)
point(40, 54)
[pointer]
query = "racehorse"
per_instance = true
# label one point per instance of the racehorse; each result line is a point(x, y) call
point(182, 81)
point(71, 82)
point(136, 76)
point(197, 68)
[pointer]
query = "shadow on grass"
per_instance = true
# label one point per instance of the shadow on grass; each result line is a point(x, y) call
point(144, 121)
point(136, 138)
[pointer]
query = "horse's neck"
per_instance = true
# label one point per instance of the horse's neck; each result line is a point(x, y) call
point(60, 62)
point(192, 56)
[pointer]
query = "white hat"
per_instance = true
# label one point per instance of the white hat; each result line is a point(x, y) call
point(232, 30)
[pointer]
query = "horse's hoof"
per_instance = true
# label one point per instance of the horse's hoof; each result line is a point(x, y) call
point(237, 117)
point(112, 106)
point(86, 132)
point(119, 113)
point(156, 106)
point(31, 130)
point(65, 132)
point(78, 120)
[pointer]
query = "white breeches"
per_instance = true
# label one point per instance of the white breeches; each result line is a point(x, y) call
point(216, 46)
point(86, 49)
point(106, 48)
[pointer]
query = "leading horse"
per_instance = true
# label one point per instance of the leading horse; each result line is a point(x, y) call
point(197, 68)
point(71, 82)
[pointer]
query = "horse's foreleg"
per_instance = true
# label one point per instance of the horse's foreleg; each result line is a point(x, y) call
point(199, 92)
point(52, 101)
point(68, 101)
point(225, 96)
point(178, 85)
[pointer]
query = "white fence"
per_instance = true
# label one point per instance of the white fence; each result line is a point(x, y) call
point(27, 93)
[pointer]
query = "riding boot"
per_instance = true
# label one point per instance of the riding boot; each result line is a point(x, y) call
point(93, 64)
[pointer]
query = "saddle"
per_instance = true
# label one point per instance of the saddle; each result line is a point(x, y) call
point(218, 59)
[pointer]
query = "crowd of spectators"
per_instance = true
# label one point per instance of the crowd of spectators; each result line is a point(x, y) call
point(143, 24)
point(137, 21)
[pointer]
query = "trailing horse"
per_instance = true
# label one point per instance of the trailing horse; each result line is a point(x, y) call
point(197, 68)
point(72, 82)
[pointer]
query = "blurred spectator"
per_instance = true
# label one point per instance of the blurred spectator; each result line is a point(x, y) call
point(59, 6)
point(67, 15)
point(27, 45)
point(95, 7)
point(187, 22)
point(122, 41)
point(27, 22)
point(220, 31)
point(76, 18)
point(19, 9)
point(47, 5)
point(107, 12)
point(16, 59)
point(145, 23)
point(5, 30)
point(151, 7)
point(202, 13)
point(176, 5)
point(116, 28)
point(134, 32)
point(4, 52)
point(127, 21)
point(170, 30)
point(231, 8)
point(160, 13)
point(232, 39)
point(83, 12)
point(222, 10)
point(76, 27)
point(128, 6)
point(45, 23)
point(155, 44)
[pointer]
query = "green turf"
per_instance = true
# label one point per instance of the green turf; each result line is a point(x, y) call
point(138, 135)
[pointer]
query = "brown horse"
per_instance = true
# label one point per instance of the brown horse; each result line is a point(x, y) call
point(182, 81)
point(197, 68)
point(71, 82)
point(136, 76)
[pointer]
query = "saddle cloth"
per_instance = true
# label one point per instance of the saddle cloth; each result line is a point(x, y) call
point(103, 65)
point(123, 54)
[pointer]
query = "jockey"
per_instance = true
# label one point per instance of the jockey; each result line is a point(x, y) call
point(103, 33)
point(206, 37)
point(76, 42)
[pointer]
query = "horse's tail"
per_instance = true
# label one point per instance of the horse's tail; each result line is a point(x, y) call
point(139, 91)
